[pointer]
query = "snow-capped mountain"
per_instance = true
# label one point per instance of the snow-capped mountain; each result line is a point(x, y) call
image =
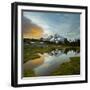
point(54, 38)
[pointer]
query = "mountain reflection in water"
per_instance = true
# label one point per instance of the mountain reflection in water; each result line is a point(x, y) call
point(48, 62)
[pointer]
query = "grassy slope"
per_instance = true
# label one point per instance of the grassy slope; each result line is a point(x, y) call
point(30, 52)
point(69, 68)
point(28, 73)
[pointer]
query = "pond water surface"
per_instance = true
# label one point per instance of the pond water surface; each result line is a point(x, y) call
point(48, 62)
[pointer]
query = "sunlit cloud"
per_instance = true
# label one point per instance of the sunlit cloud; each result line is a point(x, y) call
point(64, 24)
point(31, 30)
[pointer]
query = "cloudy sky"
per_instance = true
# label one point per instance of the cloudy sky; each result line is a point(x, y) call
point(39, 24)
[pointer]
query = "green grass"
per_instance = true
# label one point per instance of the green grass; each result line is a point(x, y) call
point(28, 73)
point(31, 52)
point(69, 68)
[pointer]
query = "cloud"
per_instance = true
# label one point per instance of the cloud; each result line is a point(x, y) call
point(31, 30)
point(65, 24)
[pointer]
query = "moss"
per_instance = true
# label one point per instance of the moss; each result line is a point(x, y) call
point(69, 68)
point(28, 73)
point(30, 52)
